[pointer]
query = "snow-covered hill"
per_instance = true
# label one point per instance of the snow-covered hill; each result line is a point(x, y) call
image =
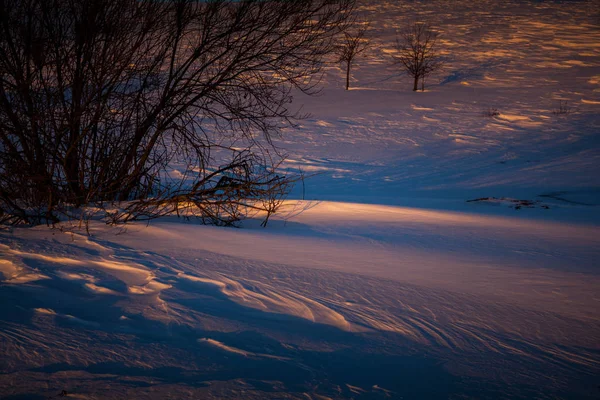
point(385, 281)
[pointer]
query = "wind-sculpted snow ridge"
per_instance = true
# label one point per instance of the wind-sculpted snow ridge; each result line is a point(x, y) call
point(234, 350)
point(267, 298)
point(437, 319)
point(14, 274)
point(139, 279)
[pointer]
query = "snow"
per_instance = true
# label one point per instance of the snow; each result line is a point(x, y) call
point(432, 251)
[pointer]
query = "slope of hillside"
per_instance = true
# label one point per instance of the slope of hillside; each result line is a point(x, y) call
point(385, 281)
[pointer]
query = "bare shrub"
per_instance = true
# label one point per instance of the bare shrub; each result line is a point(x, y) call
point(491, 112)
point(101, 99)
point(563, 108)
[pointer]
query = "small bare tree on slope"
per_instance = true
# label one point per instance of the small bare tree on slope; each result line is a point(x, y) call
point(352, 44)
point(417, 52)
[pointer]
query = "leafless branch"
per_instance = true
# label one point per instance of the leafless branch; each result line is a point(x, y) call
point(101, 99)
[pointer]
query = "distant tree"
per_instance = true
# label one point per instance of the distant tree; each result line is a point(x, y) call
point(100, 100)
point(417, 54)
point(352, 44)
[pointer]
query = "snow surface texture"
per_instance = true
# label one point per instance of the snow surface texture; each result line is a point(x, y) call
point(385, 282)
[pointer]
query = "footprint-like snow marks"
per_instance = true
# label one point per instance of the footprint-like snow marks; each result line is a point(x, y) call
point(266, 298)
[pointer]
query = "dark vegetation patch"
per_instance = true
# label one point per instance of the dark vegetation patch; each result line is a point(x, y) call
point(517, 204)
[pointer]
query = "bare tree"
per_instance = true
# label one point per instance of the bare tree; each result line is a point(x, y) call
point(101, 99)
point(352, 44)
point(417, 52)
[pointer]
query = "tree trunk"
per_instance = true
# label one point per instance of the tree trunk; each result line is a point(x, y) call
point(71, 170)
point(416, 85)
point(348, 76)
